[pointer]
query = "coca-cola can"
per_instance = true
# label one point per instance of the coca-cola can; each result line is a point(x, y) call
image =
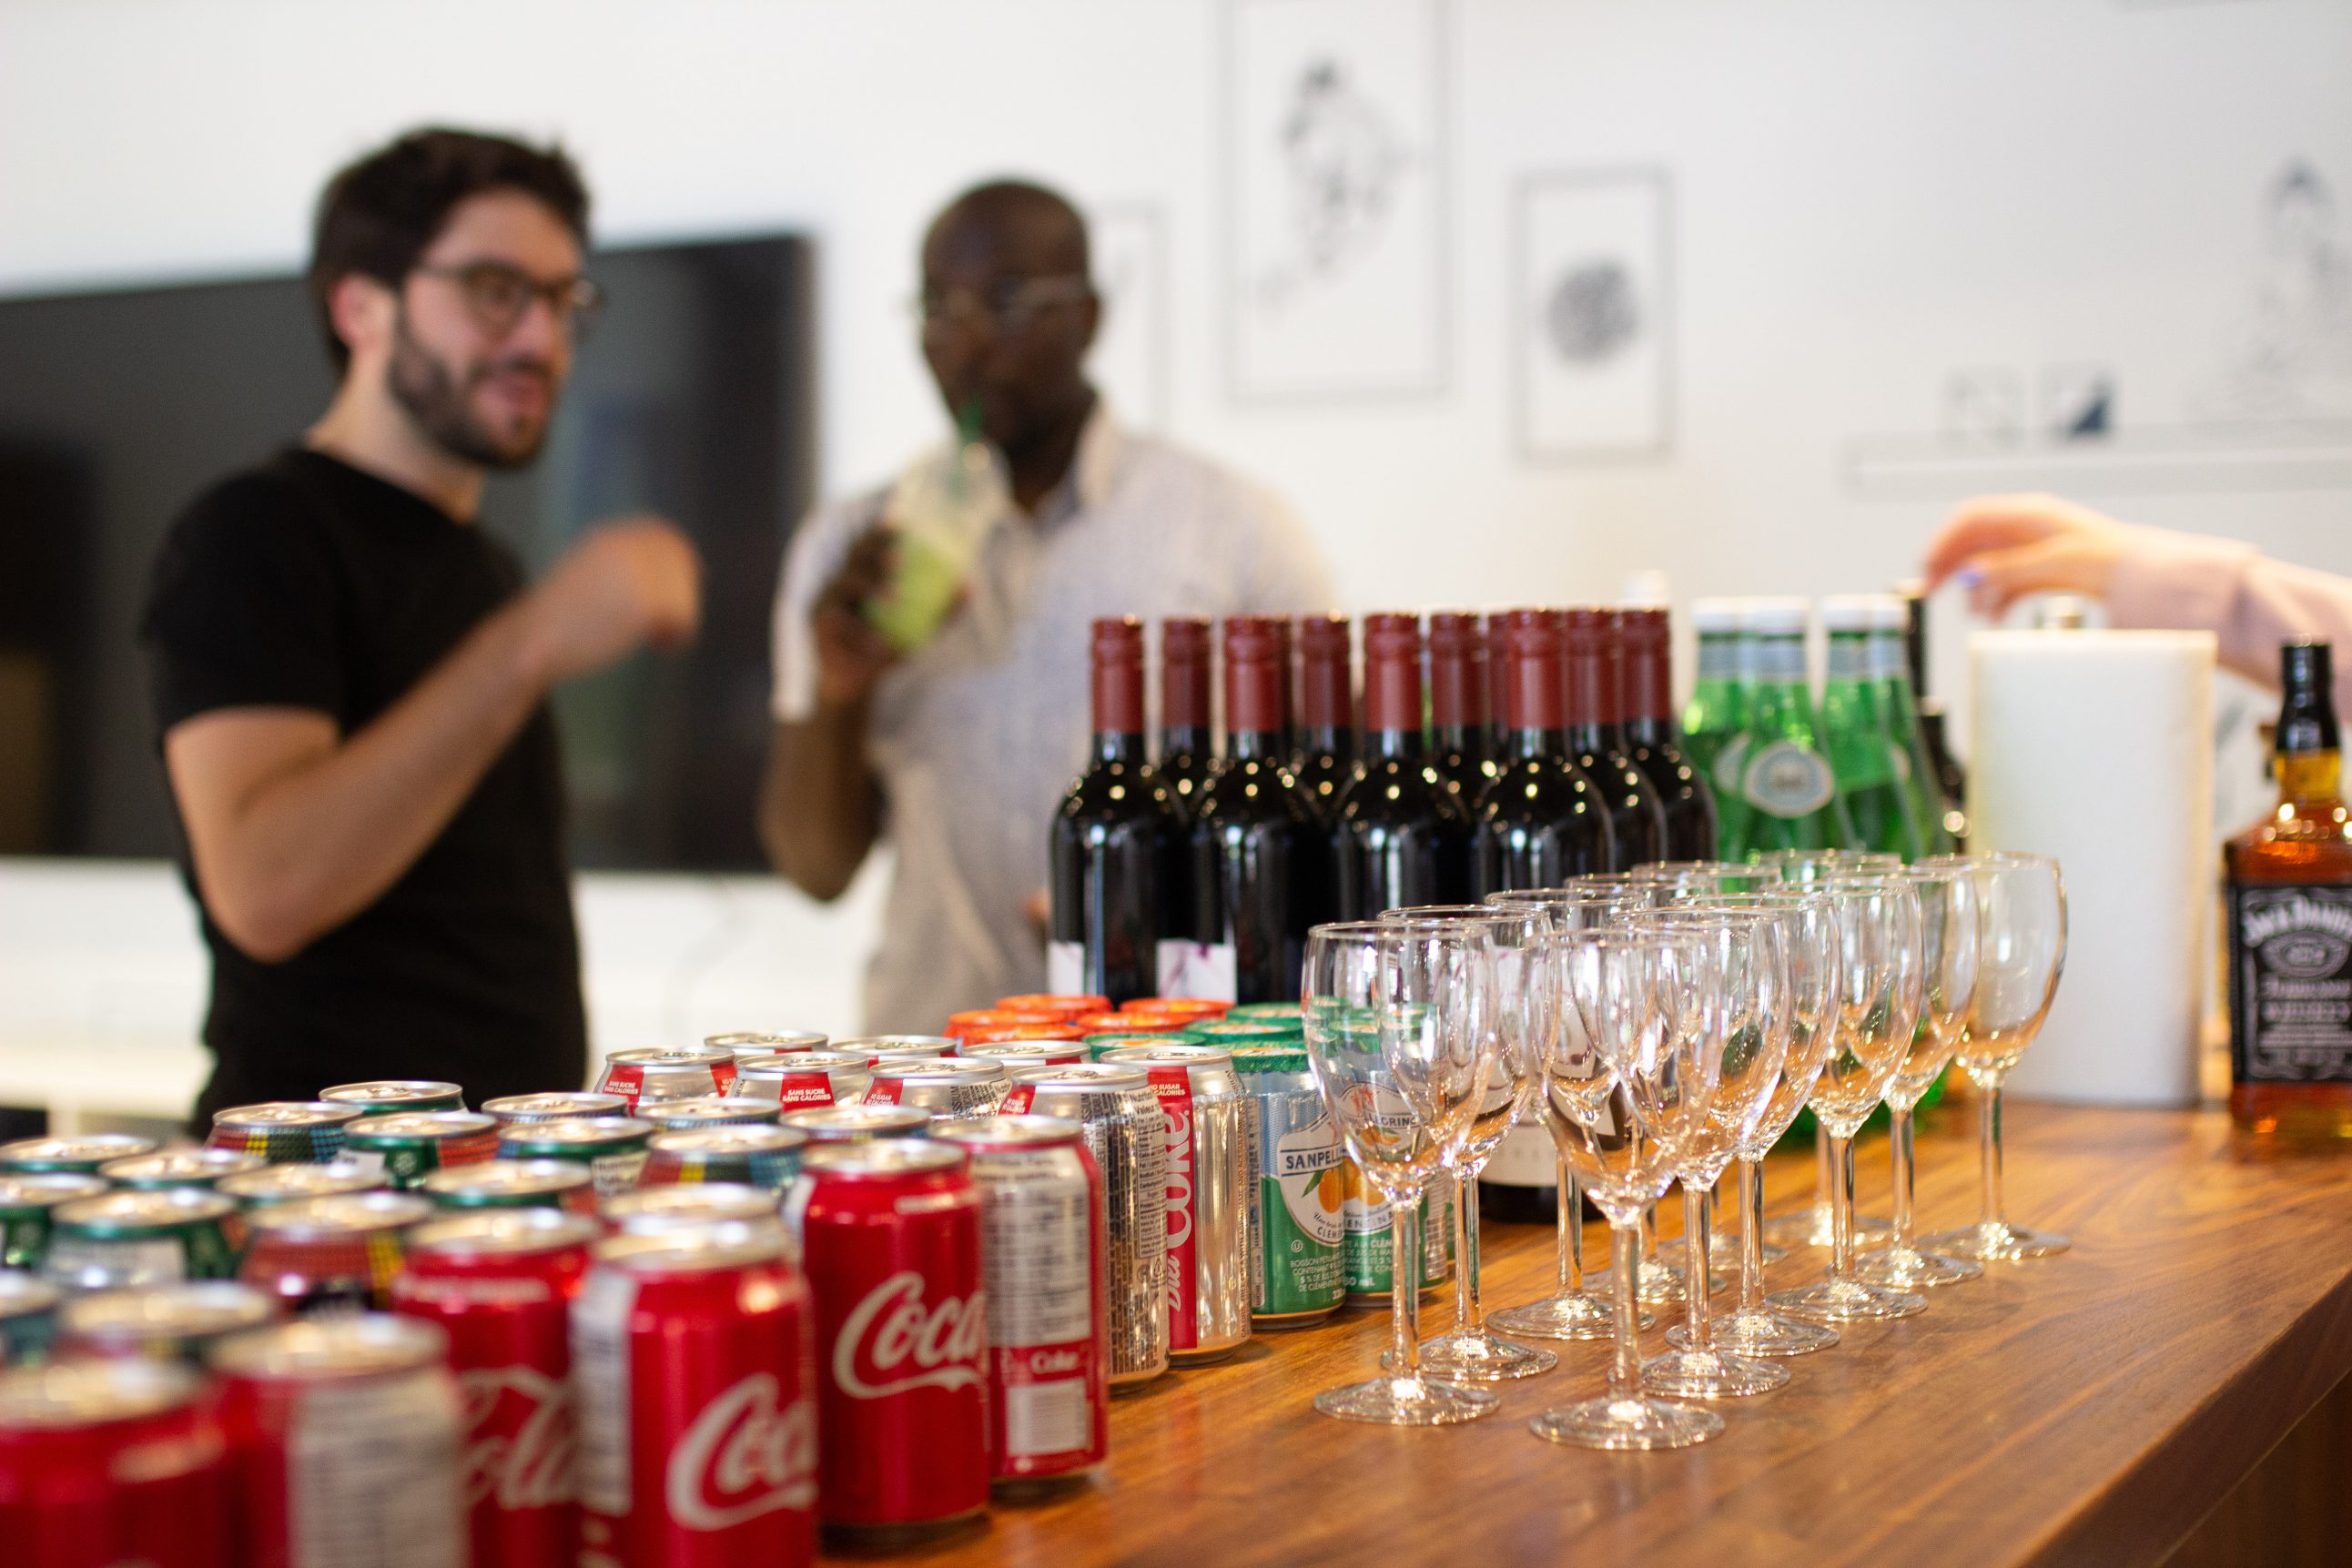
point(345, 1439)
point(501, 1284)
point(747, 1043)
point(112, 1461)
point(612, 1148)
point(804, 1078)
point(858, 1123)
point(412, 1145)
point(79, 1155)
point(28, 1316)
point(1014, 1054)
point(890, 1230)
point(1203, 1114)
point(871, 1046)
point(1041, 1231)
point(762, 1157)
point(1119, 1118)
point(514, 1184)
point(654, 1210)
point(169, 1323)
point(555, 1105)
point(284, 1131)
point(946, 1088)
point(330, 1255)
point(729, 1110)
point(395, 1096)
point(181, 1167)
point(678, 1072)
point(691, 1356)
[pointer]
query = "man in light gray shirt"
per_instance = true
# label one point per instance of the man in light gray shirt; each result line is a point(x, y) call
point(961, 749)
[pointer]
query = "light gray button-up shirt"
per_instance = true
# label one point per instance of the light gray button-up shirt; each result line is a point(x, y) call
point(977, 735)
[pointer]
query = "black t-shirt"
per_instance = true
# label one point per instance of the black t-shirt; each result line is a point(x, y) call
point(309, 583)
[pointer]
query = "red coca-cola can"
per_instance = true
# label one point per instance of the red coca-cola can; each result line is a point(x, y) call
point(1042, 1246)
point(499, 1284)
point(111, 1461)
point(691, 1356)
point(890, 1230)
point(345, 1436)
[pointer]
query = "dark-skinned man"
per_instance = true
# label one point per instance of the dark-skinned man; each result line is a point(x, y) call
point(351, 678)
point(958, 751)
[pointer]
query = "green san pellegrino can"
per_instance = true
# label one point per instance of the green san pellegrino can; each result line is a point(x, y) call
point(181, 1167)
point(612, 1147)
point(126, 1239)
point(1296, 1232)
point(80, 1153)
point(1097, 1044)
point(28, 1205)
point(1234, 1033)
point(396, 1096)
point(1290, 1015)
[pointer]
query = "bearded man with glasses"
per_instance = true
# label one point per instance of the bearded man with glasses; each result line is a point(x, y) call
point(350, 677)
point(956, 744)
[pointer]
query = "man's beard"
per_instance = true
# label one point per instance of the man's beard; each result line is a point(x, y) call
point(423, 385)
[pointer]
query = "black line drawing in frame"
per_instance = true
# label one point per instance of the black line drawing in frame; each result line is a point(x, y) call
point(1130, 361)
point(1591, 332)
point(1334, 154)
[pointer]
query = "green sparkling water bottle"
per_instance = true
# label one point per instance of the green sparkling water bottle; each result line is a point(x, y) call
point(1785, 782)
point(1890, 630)
point(1873, 776)
point(1713, 722)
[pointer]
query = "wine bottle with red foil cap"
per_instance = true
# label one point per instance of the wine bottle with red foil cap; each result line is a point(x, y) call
point(1457, 703)
point(1540, 819)
point(1403, 835)
point(1327, 711)
point(1637, 817)
point(1117, 845)
point(1260, 861)
point(1650, 737)
point(1188, 741)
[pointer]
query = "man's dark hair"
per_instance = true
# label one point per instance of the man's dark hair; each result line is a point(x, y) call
point(378, 216)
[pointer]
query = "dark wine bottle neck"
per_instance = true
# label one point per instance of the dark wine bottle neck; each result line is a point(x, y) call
point(1651, 733)
point(1186, 740)
point(1589, 738)
point(1535, 745)
point(1397, 744)
point(1119, 746)
point(1255, 746)
point(1334, 741)
point(1462, 739)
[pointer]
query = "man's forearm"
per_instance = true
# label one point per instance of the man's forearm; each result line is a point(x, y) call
point(820, 809)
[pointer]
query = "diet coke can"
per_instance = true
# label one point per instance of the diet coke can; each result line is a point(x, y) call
point(1119, 1118)
point(680, 1073)
point(948, 1088)
point(1041, 1228)
point(710, 1110)
point(691, 1356)
point(804, 1078)
point(1203, 1115)
point(1014, 1054)
point(344, 1438)
point(857, 1123)
point(871, 1046)
point(749, 1043)
point(556, 1106)
point(890, 1230)
point(500, 1285)
point(112, 1461)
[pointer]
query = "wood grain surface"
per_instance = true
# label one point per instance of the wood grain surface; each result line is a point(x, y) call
point(2088, 1408)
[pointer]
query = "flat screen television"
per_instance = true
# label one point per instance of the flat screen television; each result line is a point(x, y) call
point(692, 399)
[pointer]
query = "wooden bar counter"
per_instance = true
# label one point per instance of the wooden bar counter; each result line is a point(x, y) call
point(2088, 1408)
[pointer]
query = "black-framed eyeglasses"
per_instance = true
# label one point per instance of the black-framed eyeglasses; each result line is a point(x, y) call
point(499, 295)
point(1008, 310)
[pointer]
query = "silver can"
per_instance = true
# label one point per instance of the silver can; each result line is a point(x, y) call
point(292, 1183)
point(561, 1105)
point(804, 1078)
point(1119, 1118)
point(752, 1042)
point(1203, 1115)
point(181, 1167)
point(1014, 1054)
point(874, 1045)
point(680, 1072)
point(651, 1210)
point(180, 1322)
point(710, 1110)
point(860, 1123)
point(951, 1088)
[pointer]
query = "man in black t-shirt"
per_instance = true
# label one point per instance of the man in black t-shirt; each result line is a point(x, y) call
point(350, 677)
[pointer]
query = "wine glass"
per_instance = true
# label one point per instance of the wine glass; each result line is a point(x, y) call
point(1571, 1311)
point(1877, 1009)
point(1508, 937)
point(1706, 876)
point(1737, 1008)
point(1394, 1036)
point(1616, 1113)
point(1947, 938)
point(2021, 952)
point(1810, 936)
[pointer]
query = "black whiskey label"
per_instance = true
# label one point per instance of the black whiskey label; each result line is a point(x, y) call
point(2290, 984)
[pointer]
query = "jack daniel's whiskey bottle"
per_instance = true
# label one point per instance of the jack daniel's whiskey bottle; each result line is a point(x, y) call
point(2290, 911)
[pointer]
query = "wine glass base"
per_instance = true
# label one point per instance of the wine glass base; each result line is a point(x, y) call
point(1406, 1402)
point(1754, 1332)
point(1995, 1240)
point(1662, 1284)
point(1810, 1227)
point(1845, 1300)
point(1478, 1356)
point(1908, 1269)
point(1574, 1315)
point(1632, 1423)
point(1710, 1374)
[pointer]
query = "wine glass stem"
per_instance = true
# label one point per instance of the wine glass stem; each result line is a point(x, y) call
point(1899, 1130)
point(1841, 1207)
point(1695, 1247)
point(1469, 1312)
point(1751, 1235)
point(1989, 1138)
point(1823, 1179)
point(1571, 1234)
point(1404, 1285)
point(1625, 1370)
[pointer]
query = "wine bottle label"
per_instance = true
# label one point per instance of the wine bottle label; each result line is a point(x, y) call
point(1198, 969)
point(2291, 984)
point(1066, 970)
point(1787, 781)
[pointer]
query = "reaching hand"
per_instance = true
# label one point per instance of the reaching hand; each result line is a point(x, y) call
point(1999, 547)
point(627, 583)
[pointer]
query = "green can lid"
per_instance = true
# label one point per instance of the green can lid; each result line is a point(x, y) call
point(1097, 1044)
point(1282, 1057)
point(1236, 1031)
point(1267, 1012)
